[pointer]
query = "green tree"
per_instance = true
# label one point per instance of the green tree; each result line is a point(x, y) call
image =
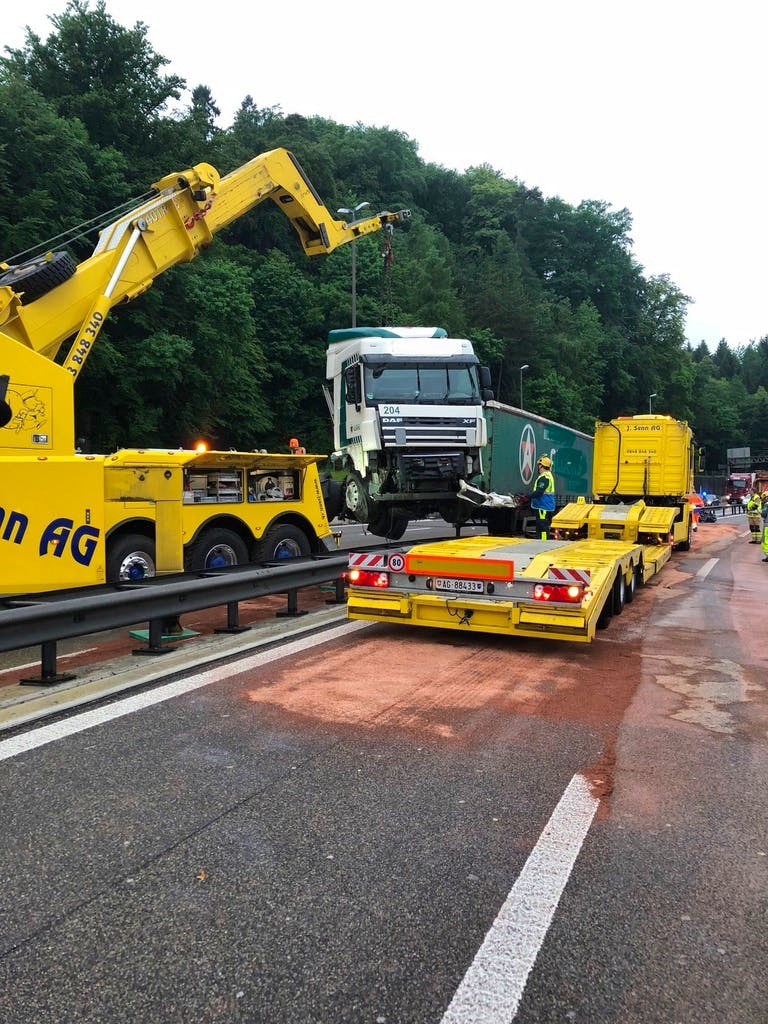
point(93, 69)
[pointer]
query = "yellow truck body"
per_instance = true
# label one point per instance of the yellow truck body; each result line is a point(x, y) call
point(642, 456)
point(81, 520)
point(70, 520)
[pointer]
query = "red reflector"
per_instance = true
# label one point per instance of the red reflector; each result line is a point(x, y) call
point(367, 578)
point(571, 593)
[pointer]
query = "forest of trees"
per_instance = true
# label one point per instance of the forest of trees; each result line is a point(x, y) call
point(232, 346)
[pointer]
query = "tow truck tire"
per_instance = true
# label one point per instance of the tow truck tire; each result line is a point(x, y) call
point(38, 276)
point(131, 558)
point(216, 549)
point(282, 542)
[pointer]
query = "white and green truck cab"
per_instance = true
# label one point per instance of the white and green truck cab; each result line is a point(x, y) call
point(408, 423)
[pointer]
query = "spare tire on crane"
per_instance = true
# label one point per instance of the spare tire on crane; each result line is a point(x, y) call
point(38, 276)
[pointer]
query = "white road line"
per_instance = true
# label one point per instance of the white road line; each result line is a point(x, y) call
point(87, 720)
point(707, 568)
point(492, 988)
point(34, 664)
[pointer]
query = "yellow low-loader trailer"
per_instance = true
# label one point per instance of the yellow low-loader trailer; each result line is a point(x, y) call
point(562, 589)
point(511, 586)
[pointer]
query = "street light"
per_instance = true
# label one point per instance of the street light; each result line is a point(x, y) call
point(523, 367)
point(353, 212)
point(650, 402)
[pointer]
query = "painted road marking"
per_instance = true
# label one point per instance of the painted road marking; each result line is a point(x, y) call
point(492, 988)
point(89, 719)
point(707, 568)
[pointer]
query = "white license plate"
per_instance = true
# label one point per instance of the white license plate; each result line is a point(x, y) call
point(462, 586)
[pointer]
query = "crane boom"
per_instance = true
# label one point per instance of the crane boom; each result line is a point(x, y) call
point(48, 300)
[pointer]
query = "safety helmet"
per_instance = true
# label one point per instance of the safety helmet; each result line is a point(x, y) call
point(545, 461)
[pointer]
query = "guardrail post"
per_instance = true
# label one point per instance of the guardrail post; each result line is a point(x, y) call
point(155, 643)
point(339, 596)
point(233, 620)
point(48, 674)
point(292, 611)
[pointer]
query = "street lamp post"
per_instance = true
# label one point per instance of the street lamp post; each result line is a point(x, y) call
point(353, 212)
point(523, 367)
point(650, 402)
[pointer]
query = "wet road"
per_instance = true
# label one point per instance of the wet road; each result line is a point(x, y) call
point(363, 827)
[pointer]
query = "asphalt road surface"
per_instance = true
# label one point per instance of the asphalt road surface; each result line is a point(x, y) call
point(403, 826)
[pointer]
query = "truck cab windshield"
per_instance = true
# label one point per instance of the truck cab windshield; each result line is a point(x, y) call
point(421, 383)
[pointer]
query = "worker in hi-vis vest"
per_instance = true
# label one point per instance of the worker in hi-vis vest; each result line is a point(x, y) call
point(543, 496)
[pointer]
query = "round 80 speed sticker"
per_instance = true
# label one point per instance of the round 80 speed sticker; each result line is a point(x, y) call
point(396, 562)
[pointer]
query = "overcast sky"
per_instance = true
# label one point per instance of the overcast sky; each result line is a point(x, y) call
point(658, 106)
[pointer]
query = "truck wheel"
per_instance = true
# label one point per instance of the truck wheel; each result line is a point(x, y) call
point(388, 523)
point(216, 549)
point(282, 542)
point(499, 522)
point(685, 545)
point(333, 496)
point(356, 497)
point(619, 593)
point(631, 587)
point(131, 558)
point(606, 613)
point(38, 276)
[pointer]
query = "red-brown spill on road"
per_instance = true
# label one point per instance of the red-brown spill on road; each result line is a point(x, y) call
point(450, 687)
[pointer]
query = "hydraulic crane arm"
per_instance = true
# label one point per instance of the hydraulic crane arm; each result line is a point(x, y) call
point(44, 302)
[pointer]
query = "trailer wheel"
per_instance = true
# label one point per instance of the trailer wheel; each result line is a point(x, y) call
point(614, 602)
point(131, 558)
point(216, 549)
point(619, 593)
point(38, 276)
point(631, 587)
point(282, 542)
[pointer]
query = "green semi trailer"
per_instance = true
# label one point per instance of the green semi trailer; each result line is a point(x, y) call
point(516, 439)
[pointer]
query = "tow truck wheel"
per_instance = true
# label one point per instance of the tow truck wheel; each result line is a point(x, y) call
point(282, 542)
point(216, 549)
point(38, 276)
point(131, 558)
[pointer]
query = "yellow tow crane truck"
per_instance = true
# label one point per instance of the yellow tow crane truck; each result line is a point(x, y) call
point(562, 589)
point(69, 519)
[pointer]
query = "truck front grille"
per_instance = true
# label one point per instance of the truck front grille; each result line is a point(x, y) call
point(417, 431)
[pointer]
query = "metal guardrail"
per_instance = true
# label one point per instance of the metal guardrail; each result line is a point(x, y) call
point(710, 513)
point(45, 619)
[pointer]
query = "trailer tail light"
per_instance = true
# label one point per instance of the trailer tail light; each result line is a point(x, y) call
point(367, 578)
point(571, 593)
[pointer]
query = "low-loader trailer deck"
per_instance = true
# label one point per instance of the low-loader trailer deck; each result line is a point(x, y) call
point(564, 589)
